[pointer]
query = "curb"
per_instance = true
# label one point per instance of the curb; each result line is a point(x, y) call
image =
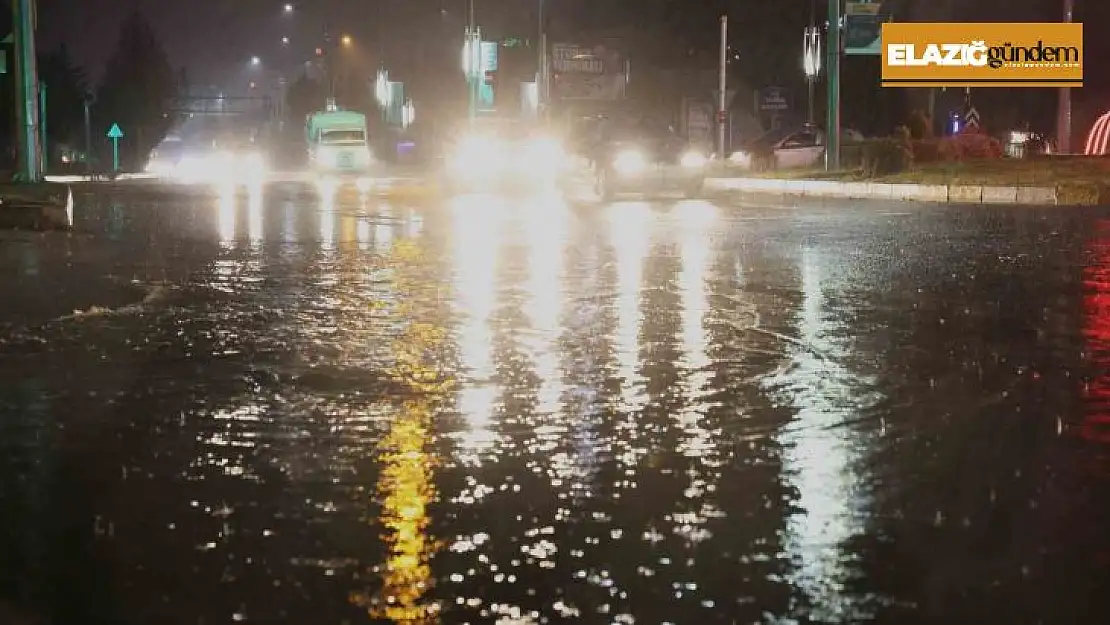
point(44, 206)
point(937, 194)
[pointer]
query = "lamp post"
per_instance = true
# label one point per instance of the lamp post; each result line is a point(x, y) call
point(542, 75)
point(1063, 108)
point(811, 63)
point(832, 127)
point(383, 93)
point(722, 89)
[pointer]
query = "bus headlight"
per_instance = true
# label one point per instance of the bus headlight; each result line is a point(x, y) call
point(630, 162)
point(693, 160)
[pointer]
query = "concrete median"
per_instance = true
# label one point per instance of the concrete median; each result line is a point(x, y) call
point(928, 193)
point(40, 206)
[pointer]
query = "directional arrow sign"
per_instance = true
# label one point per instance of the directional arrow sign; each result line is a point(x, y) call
point(115, 134)
point(971, 119)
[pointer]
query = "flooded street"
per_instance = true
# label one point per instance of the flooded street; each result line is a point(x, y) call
point(272, 407)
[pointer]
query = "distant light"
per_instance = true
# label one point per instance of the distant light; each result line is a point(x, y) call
point(319, 52)
point(285, 41)
point(289, 8)
point(255, 60)
point(347, 40)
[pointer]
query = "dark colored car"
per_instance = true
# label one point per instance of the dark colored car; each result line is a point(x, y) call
point(646, 158)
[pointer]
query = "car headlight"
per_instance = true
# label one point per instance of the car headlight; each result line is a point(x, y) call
point(254, 162)
point(629, 161)
point(478, 154)
point(546, 153)
point(693, 159)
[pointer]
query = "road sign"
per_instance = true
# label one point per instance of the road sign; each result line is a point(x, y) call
point(772, 99)
point(863, 28)
point(115, 134)
point(971, 119)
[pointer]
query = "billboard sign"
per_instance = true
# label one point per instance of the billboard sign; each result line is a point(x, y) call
point(982, 55)
point(863, 23)
point(581, 72)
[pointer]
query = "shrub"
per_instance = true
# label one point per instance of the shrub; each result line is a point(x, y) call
point(920, 126)
point(763, 158)
point(970, 146)
point(926, 151)
point(851, 155)
point(881, 157)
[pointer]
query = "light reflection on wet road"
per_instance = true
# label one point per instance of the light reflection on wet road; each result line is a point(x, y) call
point(269, 407)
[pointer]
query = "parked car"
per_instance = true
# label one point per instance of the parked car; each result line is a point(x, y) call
point(799, 149)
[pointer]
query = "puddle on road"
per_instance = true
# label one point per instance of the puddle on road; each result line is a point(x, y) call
point(523, 412)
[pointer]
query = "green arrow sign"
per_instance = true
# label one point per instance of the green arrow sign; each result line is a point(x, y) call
point(115, 134)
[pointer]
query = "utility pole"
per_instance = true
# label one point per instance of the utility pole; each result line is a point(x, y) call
point(542, 75)
point(832, 121)
point(88, 134)
point(1063, 108)
point(722, 89)
point(44, 145)
point(473, 60)
point(26, 92)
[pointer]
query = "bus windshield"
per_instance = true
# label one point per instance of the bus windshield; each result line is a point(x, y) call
point(343, 136)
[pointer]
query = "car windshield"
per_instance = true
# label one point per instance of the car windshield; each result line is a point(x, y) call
point(639, 129)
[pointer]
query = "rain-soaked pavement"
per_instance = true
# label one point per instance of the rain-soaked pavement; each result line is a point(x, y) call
point(278, 409)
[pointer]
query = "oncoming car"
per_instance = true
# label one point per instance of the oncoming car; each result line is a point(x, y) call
point(646, 158)
point(492, 154)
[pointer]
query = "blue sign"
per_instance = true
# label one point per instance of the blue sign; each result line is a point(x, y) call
point(489, 56)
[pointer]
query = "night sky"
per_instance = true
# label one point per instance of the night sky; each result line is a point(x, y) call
point(216, 38)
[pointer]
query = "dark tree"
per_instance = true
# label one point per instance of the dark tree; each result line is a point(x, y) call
point(303, 96)
point(66, 86)
point(137, 92)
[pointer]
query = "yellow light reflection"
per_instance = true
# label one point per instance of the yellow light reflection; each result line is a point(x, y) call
point(478, 231)
point(819, 458)
point(406, 486)
point(348, 230)
point(254, 213)
point(225, 212)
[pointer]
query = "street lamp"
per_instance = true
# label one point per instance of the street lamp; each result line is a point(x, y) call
point(346, 41)
point(408, 113)
point(255, 61)
point(811, 62)
point(382, 88)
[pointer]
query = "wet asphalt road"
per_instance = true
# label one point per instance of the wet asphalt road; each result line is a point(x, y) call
point(272, 407)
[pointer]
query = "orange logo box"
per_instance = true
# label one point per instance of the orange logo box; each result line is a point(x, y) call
point(982, 55)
